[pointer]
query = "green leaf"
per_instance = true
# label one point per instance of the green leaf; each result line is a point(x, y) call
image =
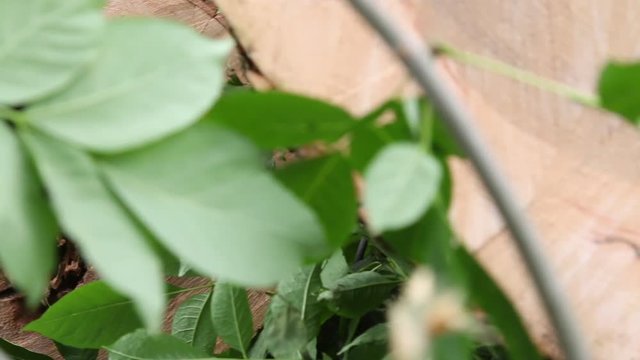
point(29, 230)
point(326, 185)
point(484, 292)
point(281, 120)
point(44, 44)
point(619, 89)
point(18, 353)
point(141, 346)
point(453, 346)
point(356, 294)
point(400, 185)
point(223, 214)
point(334, 269)
point(232, 316)
point(192, 323)
point(108, 238)
point(137, 94)
point(295, 314)
point(376, 334)
point(368, 139)
point(71, 353)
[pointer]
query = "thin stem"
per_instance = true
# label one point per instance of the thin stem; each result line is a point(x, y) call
point(419, 62)
point(427, 118)
point(524, 76)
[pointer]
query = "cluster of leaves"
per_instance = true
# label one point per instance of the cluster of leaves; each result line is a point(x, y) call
point(120, 135)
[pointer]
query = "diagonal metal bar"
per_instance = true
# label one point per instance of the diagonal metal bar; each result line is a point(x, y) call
point(420, 63)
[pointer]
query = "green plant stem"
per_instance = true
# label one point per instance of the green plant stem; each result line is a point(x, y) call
point(14, 116)
point(523, 76)
point(427, 118)
point(420, 64)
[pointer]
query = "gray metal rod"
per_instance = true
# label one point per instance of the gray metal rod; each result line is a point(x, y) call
point(420, 63)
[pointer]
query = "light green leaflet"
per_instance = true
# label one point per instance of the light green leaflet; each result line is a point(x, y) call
point(192, 323)
point(153, 78)
point(44, 44)
point(232, 316)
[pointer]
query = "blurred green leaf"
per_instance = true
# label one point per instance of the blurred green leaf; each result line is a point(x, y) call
point(375, 334)
point(334, 269)
point(484, 292)
point(44, 44)
point(91, 316)
point(29, 230)
point(326, 185)
point(356, 294)
point(234, 221)
point(192, 323)
point(280, 120)
point(400, 185)
point(71, 353)
point(232, 316)
point(141, 346)
point(95, 221)
point(368, 139)
point(285, 332)
point(452, 346)
point(619, 89)
point(15, 352)
point(136, 94)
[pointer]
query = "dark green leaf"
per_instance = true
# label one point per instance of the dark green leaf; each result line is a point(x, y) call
point(18, 353)
point(452, 346)
point(356, 294)
point(232, 316)
point(137, 94)
point(619, 89)
point(376, 334)
point(368, 139)
point(280, 120)
point(326, 185)
point(334, 269)
point(142, 346)
point(44, 44)
point(400, 185)
point(484, 292)
point(71, 353)
point(91, 216)
point(232, 218)
point(192, 323)
point(29, 230)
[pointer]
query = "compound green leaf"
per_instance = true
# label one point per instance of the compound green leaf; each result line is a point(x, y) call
point(137, 94)
point(326, 185)
point(232, 316)
point(43, 45)
point(280, 120)
point(18, 353)
point(108, 238)
point(29, 230)
point(192, 323)
point(222, 213)
point(141, 346)
point(400, 185)
point(619, 89)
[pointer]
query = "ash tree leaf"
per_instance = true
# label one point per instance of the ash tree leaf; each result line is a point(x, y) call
point(356, 294)
point(44, 44)
point(15, 352)
point(29, 230)
point(619, 89)
point(400, 185)
point(107, 237)
point(223, 214)
point(326, 185)
point(192, 323)
point(140, 345)
point(137, 94)
point(231, 316)
point(375, 334)
point(280, 120)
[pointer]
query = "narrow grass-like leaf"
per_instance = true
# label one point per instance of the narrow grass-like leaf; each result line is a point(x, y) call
point(192, 323)
point(29, 230)
point(137, 94)
point(92, 217)
point(44, 44)
point(280, 120)
point(205, 214)
point(232, 316)
point(400, 185)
